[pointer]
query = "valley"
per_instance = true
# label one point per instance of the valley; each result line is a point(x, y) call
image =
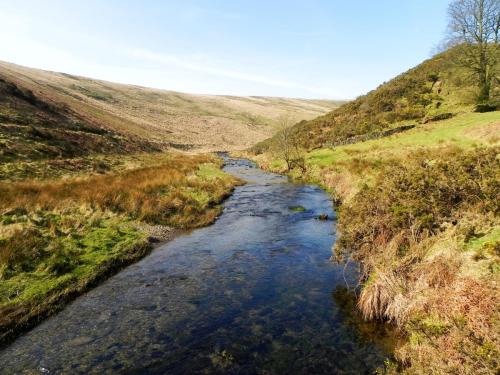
point(152, 231)
point(46, 114)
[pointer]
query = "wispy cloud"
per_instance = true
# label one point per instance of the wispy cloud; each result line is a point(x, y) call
point(194, 13)
point(204, 64)
point(304, 34)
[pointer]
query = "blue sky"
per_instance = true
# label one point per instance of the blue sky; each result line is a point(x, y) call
point(311, 48)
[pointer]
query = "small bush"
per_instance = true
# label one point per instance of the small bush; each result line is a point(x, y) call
point(487, 107)
point(424, 234)
point(414, 199)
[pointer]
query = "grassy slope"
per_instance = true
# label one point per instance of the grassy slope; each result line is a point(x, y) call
point(464, 131)
point(344, 169)
point(456, 263)
point(59, 237)
point(33, 127)
point(59, 114)
point(419, 210)
point(436, 87)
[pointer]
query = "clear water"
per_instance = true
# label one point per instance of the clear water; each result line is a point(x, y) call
point(255, 293)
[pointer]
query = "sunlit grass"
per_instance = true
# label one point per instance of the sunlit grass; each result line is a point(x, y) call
point(460, 131)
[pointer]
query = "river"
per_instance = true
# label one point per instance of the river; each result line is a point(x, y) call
point(254, 293)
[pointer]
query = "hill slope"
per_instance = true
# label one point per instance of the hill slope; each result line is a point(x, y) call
point(437, 88)
point(419, 212)
point(417, 209)
point(47, 114)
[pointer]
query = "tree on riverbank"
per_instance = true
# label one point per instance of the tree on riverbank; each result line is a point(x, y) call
point(287, 146)
point(475, 25)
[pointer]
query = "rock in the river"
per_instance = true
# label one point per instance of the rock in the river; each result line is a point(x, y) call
point(81, 340)
point(157, 233)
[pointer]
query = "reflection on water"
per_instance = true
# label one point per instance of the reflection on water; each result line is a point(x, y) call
point(255, 293)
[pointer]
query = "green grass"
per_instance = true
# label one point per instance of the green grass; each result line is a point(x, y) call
point(458, 131)
point(210, 171)
point(487, 239)
point(297, 208)
point(75, 248)
point(86, 248)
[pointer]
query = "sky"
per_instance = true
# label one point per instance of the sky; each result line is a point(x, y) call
point(327, 49)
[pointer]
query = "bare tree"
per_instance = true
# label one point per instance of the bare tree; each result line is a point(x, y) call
point(474, 25)
point(287, 146)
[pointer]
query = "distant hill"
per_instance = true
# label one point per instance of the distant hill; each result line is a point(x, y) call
point(46, 114)
point(436, 89)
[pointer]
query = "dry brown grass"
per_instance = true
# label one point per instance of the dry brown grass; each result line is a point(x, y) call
point(163, 194)
point(449, 314)
point(426, 239)
point(490, 132)
point(198, 122)
point(457, 329)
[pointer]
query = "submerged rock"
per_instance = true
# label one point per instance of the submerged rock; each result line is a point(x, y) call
point(81, 340)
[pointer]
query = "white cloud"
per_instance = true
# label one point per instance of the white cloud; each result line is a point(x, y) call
point(85, 54)
point(194, 13)
point(203, 64)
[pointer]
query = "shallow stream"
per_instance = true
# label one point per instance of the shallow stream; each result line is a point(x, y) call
point(255, 293)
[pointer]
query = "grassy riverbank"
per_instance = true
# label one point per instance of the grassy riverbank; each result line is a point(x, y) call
point(60, 236)
point(419, 210)
point(349, 167)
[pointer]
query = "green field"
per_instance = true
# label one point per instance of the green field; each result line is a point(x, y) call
point(465, 130)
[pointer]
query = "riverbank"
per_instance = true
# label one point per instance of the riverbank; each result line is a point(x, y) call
point(60, 237)
point(254, 292)
point(419, 211)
